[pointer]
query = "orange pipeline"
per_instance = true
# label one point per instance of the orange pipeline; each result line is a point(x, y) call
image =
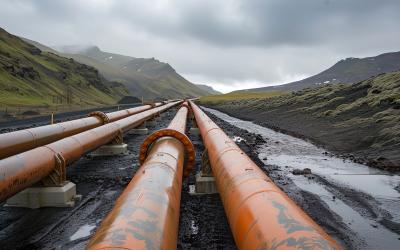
point(260, 215)
point(22, 170)
point(146, 215)
point(19, 141)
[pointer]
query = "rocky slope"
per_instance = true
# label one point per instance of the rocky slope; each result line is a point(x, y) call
point(349, 70)
point(29, 76)
point(209, 89)
point(145, 77)
point(361, 119)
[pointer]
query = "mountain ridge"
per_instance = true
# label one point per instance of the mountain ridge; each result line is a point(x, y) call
point(350, 70)
point(209, 89)
point(147, 77)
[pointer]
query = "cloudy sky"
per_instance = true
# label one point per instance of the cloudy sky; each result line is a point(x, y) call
point(228, 44)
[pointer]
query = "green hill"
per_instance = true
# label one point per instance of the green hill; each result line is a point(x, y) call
point(29, 76)
point(145, 77)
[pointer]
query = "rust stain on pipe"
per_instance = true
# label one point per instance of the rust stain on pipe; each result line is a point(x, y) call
point(260, 215)
point(19, 141)
point(146, 215)
point(23, 170)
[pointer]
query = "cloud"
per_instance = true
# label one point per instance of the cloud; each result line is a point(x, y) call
point(230, 43)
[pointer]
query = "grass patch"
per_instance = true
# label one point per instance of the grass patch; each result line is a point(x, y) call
point(236, 96)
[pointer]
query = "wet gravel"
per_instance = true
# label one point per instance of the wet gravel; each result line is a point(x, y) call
point(203, 223)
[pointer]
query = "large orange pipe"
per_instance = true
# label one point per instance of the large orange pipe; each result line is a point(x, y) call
point(19, 141)
point(260, 215)
point(146, 215)
point(22, 170)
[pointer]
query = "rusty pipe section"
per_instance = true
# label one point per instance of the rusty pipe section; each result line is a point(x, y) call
point(22, 170)
point(19, 141)
point(260, 215)
point(117, 115)
point(146, 215)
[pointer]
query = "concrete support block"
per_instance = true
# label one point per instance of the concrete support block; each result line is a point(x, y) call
point(194, 131)
point(205, 184)
point(111, 149)
point(151, 122)
point(36, 197)
point(139, 131)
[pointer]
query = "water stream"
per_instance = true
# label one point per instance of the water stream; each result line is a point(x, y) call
point(288, 152)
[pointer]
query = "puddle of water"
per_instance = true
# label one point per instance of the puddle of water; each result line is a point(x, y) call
point(109, 194)
point(373, 234)
point(285, 150)
point(82, 232)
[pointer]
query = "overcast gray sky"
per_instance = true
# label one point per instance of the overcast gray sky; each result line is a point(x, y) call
point(228, 44)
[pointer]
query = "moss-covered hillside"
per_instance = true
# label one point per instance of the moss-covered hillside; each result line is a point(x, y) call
point(147, 77)
point(362, 119)
point(31, 77)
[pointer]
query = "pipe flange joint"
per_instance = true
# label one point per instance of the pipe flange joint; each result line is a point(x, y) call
point(167, 132)
point(101, 115)
point(186, 104)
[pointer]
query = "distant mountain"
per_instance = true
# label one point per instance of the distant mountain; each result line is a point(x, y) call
point(29, 76)
point(40, 46)
point(350, 70)
point(145, 77)
point(209, 89)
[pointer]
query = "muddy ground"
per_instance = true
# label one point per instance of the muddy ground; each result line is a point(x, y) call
point(203, 224)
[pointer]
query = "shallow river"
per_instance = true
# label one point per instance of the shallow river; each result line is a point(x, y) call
point(288, 152)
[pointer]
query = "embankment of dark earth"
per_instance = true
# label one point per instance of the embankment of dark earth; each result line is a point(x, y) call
point(359, 121)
